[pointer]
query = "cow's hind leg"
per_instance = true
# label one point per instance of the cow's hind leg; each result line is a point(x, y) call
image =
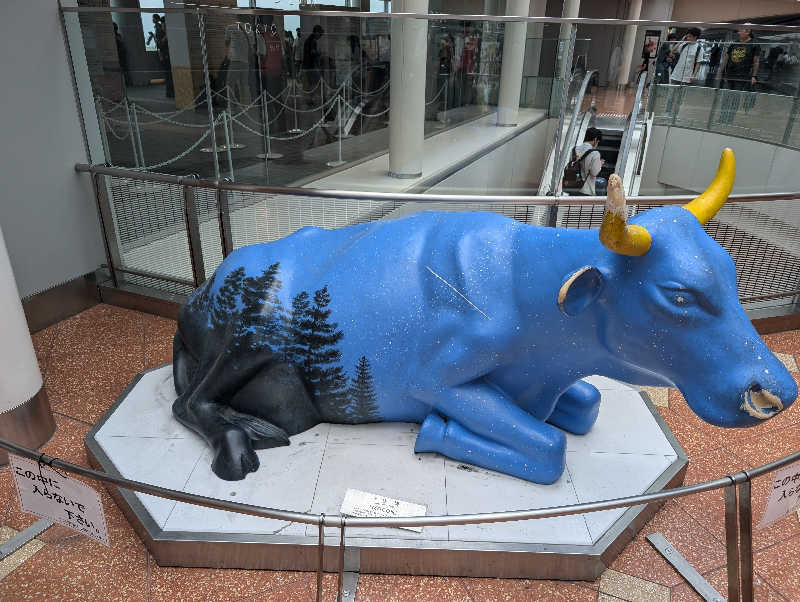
point(476, 423)
point(233, 435)
point(577, 408)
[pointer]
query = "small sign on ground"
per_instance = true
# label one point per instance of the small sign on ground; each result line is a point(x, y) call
point(370, 505)
point(44, 492)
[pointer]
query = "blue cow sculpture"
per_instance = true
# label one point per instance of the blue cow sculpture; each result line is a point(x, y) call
point(476, 326)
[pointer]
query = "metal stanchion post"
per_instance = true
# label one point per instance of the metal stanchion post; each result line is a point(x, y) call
point(339, 161)
point(269, 154)
point(295, 129)
point(209, 93)
point(138, 135)
point(225, 119)
point(130, 132)
point(232, 144)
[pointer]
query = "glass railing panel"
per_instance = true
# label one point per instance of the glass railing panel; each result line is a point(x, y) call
point(752, 115)
point(149, 92)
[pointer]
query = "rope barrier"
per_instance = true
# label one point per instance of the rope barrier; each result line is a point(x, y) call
point(270, 122)
point(113, 133)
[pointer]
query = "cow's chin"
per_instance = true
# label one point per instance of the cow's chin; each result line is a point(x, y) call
point(747, 408)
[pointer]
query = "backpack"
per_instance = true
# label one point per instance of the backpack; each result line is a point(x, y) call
point(573, 180)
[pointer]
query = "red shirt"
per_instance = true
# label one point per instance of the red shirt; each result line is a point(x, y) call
point(272, 61)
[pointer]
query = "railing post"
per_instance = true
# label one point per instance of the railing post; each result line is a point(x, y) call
point(732, 542)
point(340, 580)
point(107, 225)
point(320, 555)
point(193, 235)
point(224, 216)
point(745, 541)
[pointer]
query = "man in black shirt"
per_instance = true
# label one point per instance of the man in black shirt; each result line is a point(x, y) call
point(740, 65)
point(739, 69)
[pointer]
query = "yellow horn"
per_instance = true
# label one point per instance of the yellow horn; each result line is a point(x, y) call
point(615, 234)
point(707, 204)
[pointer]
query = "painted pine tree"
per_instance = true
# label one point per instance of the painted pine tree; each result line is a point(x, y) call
point(325, 376)
point(259, 325)
point(363, 400)
point(297, 329)
point(225, 309)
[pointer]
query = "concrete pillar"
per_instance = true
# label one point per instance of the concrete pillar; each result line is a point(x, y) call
point(511, 69)
point(25, 416)
point(634, 11)
point(570, 10)
point(407, 90)
point(132, 32)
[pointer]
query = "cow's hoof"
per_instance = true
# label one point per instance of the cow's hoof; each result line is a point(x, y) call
point(577, 408)
point(234, 455)
point(431, 434)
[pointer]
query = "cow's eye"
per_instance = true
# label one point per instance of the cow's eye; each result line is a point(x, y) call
point(682, 298)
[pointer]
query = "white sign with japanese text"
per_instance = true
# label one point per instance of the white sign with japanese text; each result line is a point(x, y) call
point(371, 505)
point(45, 493)
point(784, 495)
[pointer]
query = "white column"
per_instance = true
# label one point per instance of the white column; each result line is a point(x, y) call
point(634, 11)
point(513, 58)
point(407, 90)
point(25, 416)
point(570, 10)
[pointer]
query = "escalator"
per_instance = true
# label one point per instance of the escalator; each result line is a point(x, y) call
point(621, 148)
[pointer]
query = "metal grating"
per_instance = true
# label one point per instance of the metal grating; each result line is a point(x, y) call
point(258, 217)
point(763, 238)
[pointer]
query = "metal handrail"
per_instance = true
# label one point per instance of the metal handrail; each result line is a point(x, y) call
point(206, 9)
point(625, 147)
point(738, 529)
point(132, 174)
point(333, 520)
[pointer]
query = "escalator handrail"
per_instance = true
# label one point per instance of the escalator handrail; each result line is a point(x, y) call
point(561, 155)
point(627, 138)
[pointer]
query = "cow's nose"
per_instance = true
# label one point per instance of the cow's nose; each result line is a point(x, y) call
point(760, 403)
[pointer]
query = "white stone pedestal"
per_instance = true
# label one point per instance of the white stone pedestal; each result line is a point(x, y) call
point(629, 451)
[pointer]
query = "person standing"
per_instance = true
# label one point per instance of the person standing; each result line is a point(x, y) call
point(159, 35)
point(288, 53)
point(688, 65)
point(665, 60)
point(270, 51)
point(739, 70)
point(298, 53)
point(590, 161)
point(312, 62)
point(740, 64)
point(122, 53)
point(239, 44)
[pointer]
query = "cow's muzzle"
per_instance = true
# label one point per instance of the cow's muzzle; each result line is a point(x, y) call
point(760, 403)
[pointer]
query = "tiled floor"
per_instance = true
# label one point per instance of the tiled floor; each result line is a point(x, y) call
point(87, 361)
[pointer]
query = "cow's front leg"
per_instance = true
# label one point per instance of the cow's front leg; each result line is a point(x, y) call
point(476, 423)
point(577, 408)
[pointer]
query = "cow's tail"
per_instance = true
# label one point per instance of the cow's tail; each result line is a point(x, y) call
point(184, 365)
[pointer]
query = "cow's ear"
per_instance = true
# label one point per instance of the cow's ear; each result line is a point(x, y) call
point(579, 290)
